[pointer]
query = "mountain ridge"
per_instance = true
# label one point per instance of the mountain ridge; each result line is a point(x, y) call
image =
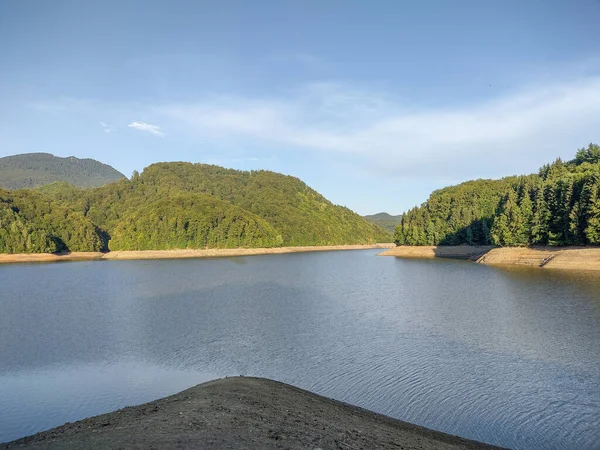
point(30, 170)
point(386, 221)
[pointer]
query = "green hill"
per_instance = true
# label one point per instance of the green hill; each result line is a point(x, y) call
point(558, 206)
point(191, 221)
point(299, 213)
point(184, 205)
point(384, 220)
point(35, 169)
point(31, 223)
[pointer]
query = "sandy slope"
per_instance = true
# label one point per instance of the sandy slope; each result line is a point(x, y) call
point(442, 251)
point(168, 254)
point(248, 413)
point(566, 258)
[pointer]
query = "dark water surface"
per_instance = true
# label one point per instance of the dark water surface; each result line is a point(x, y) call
point(506, 356)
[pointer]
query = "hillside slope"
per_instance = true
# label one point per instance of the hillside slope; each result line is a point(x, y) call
point(35, 169)
point(384, 220)
point(299, 213)
point(191, 221)
point(31, 223)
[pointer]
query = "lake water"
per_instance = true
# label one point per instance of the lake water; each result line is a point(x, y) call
point(506, 356)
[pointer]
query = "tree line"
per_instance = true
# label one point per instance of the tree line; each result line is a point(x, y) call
point(560, 205)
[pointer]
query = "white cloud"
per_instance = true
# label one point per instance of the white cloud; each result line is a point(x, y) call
point(513, 133)
point(377, 134)
point(108, 128)
point(148, 128)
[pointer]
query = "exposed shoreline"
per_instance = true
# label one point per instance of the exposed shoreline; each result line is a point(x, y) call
point(176, 254)
point(442, 251)
point(241, 412)
point(564, 258)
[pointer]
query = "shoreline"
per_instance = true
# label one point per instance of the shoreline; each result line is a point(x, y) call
point(6, 258)
point(563, 258)
point(243, 412)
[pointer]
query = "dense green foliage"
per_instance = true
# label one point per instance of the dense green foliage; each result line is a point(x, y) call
point(558, 206)
point(191, 221)
point(36, 169)
point(384, 220)
point(32, 223)
point(300, 214)
point(183, 205)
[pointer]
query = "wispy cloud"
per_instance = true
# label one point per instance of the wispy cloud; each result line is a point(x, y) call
point(107, 127)
point(502, 135)
point(378, 134)
point(148, 128)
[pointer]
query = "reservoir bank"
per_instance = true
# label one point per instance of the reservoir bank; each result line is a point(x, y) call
point(177, 254)
point(564, 258)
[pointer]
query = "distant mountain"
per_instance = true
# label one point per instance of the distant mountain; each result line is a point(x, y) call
point(36, 169)
point(384, 220)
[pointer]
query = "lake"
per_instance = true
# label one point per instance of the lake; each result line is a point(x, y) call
point(506, 356)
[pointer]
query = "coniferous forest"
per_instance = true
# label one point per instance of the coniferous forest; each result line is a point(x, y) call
point(560, 205)
point(178, 205)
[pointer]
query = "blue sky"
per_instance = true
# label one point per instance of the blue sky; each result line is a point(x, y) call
point(373, 103)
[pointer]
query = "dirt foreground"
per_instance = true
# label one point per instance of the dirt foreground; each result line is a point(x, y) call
point(248, 413)
point(175, 254)
point(564, 258)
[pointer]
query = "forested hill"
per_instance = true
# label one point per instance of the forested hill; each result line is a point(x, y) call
point(560, 205)
point(35, 169)
point(384, 220)
point(184, 205)
point(31, 223)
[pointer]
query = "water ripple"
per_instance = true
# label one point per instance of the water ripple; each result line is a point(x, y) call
point(509, 358)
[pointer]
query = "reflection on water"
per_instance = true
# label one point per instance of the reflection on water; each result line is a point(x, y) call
point(75, 392)
point(507, 356)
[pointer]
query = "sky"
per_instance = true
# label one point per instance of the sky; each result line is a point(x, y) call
point(373, 103)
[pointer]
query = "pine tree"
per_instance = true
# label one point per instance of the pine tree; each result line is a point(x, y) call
point(592, 232)
point(523, 231)
point(469, 236)
point(431, 235)
point(485, 231)
point(591, 154)
point(500, 232)
point(560, 196)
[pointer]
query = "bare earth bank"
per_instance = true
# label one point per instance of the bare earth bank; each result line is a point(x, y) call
point(168, 254)
point(442, 251)
point(249, 413)
point(565, 258)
